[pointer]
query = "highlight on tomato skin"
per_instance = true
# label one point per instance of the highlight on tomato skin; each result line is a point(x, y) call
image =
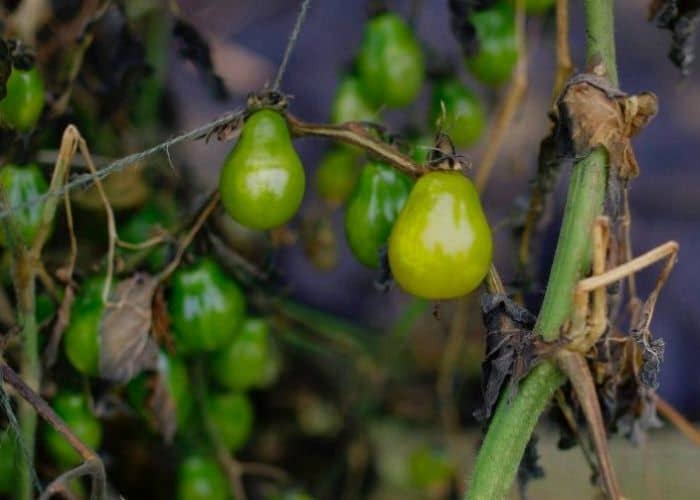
point(456, 110)
point(262, 181)
point(441, 245)
point(199, 477)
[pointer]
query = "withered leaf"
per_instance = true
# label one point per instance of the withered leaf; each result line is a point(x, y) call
point(161, 406)
point(591, 114)
point(126, 346)
point(652, 358)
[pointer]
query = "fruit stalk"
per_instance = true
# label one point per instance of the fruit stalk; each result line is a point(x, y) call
point(513, 423)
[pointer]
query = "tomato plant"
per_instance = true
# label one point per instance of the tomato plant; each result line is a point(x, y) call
point(22, 185)
point(497, 52)
point(74, 409)
point(350, 103)
point(147, 223)
point(206, 307)
point(457, 111)
point(336, 176)
point(24, 102)
point(373, 207)
point(441, 246)
point(262, 180)
point(200, 478)
point(231, 415)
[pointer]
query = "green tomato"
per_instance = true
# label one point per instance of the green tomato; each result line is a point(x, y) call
point(429, 468)
point(464, 118)
point(498, 51)
point(350, 103)
point(73, 408)
point(81, 341)
point(421, 147)
point(173, 372)
point(206, 307)
point(23, 185)
point(262, 180)
point(24, 102)
point(243, 364)
point(143, 225)
point(441, 245)
point(374, 205)
point(201, 478)
point(9, 461)
point(231, 416)
point(390, 64)
point(336, 176)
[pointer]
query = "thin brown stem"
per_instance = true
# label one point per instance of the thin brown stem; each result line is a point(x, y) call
point(676, 418)
point(564, 65)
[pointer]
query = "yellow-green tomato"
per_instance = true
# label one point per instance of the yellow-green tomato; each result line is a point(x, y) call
point(390, 64)
point(497, 54)
point(9, 461)
point(24, 101)
point(244, 363)
point(206, 307)
point(262, 180)
point(336, 176)
point(201, 478)
point(73, 408)
point(441, 244)
point(22, 185)
point(458, 112)
point(231, 416)
point(379, 195)
point(350, 103)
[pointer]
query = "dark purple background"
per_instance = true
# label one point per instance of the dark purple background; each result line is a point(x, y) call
point(248, 38)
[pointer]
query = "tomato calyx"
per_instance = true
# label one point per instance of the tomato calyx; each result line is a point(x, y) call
point(444, 157)
point(266, 99)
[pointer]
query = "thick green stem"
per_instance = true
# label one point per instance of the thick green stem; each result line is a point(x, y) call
point(514, 421)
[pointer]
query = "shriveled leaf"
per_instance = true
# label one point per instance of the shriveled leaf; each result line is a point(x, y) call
point(126, 346)
point(161, 321)
point(161, 406)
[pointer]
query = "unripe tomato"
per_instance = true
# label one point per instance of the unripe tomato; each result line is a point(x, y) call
point(81, 340)
point(498, 51)
point(231, 416)
point(463, 119)
point(441, 246)
point(373, 207)
point(206, 307)
point(22, 185)
point(262, 180)
point(201, 478)
point(350, 103)
point(173, 373)
point(421, 147)
point(336, 176)
point(243, 364)
point(144, 225)
point(9, 461)
point(390, 64)
point(73, 408)
point(24, 101)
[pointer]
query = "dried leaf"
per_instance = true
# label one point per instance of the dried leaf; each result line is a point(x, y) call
point(161, 406)
point(126, 346)
point(591, 113)
point(161, 321)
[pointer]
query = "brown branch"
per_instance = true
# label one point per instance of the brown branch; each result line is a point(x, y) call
point(677, 419)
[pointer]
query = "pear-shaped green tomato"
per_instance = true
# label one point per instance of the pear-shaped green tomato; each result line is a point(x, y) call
point(262, 180)
point(390, 64)
point(73, 408)
point(206, 307)
point(24, 101)
point(459, 112)
point(243, 364)
point(441, 245)
point(336, 176)
point(22, 185)
point(231, 416)
point(201, 478)
point(379, 195)
point(350, 103)
point(498, 51)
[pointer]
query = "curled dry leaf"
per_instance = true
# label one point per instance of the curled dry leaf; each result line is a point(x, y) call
point(590, 113)
point(161, 406)
point(126, 346)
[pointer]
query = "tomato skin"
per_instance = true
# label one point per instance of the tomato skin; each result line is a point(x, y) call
point(73, 408)
point(498, 51)
point(24, 102)
point(441, 245)
point(201, 478)
point(350, 103)
point(206, 307)
point(262, 180)
point(464, 119)
point(144, 224)
point(23, 184)
point(231, 415)
point(374, 205)
point(390, 63)
point(336, 176)
point(243, 364)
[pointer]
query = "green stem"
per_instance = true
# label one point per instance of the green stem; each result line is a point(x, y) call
point(514, 421)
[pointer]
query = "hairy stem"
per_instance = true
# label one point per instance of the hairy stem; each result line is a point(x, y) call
point(513, 422)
